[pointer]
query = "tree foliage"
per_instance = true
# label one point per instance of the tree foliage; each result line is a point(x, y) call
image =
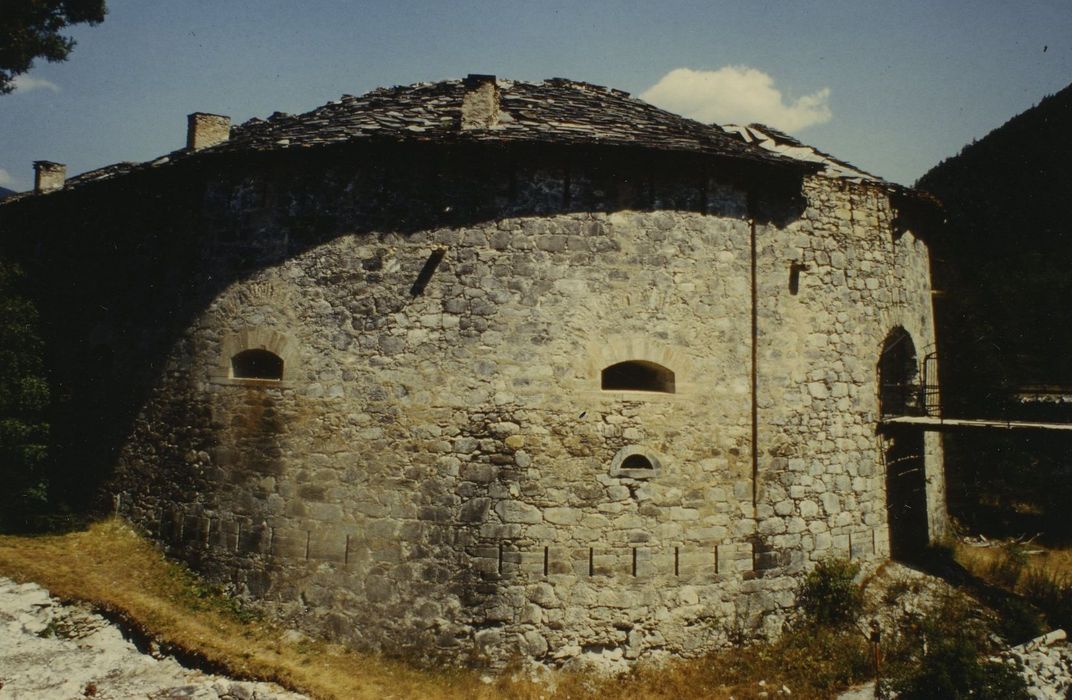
point(24, 401)
point(30, 29)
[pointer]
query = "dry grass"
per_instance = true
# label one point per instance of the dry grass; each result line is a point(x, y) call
point(112, 568)
point(1040, 577)
point(109, 566)
point(1055, 563)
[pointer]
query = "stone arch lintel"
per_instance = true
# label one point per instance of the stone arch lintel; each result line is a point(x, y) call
point(257, 338)
point(614, 350)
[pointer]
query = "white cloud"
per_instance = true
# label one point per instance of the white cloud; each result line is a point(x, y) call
point(24, 83)
point(736, 95)
point(9, 181)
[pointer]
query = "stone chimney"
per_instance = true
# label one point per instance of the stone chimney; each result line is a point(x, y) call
point(480, 106)
point(204, 130)
point(48, 176)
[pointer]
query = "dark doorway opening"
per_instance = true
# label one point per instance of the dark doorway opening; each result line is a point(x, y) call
point(906, 474)
point(906, 494)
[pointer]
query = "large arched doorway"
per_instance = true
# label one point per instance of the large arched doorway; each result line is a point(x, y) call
point(906, 482)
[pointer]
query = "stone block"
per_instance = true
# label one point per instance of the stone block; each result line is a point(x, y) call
point(328, 545)
point(474, 510)
point(562, 516)
point(518, 512)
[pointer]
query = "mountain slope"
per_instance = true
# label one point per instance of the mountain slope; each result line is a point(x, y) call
point(1004, 261)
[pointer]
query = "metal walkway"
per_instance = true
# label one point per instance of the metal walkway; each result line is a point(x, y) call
point(935, 423)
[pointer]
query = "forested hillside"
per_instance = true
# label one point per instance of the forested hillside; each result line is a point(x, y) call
point(1004, 312)
point(1003, 263)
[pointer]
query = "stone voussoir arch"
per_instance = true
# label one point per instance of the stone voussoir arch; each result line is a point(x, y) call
point(611, 351)
point(257, 338)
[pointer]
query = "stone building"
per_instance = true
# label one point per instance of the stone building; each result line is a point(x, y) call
point(482, 367)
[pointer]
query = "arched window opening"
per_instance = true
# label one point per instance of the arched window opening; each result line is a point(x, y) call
point(637, 462)
point(638, 375)
point(898, 376)
point(257, 364)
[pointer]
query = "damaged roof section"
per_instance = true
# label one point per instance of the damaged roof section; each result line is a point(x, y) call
point(783, 144)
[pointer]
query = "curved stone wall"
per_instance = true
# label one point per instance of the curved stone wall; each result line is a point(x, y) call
point(439, 470)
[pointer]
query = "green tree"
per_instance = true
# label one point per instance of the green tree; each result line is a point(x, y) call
point(30, 29)
point(24, 400)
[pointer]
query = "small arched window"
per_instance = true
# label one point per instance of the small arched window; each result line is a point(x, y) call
point(635, 462)
point(638, 375)
point(257, 364)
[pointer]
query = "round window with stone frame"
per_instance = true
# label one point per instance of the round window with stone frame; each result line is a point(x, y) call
point(635, 462)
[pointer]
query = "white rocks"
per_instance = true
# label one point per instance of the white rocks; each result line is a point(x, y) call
point(1046, 665)
point(50, 650)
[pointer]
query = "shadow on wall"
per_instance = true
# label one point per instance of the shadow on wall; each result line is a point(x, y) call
point(121, 268)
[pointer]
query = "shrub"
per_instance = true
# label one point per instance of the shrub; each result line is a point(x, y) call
point(952, 669)
point(1052, 593)
point(1018, 620)
point(947, 658)
point(829, 595)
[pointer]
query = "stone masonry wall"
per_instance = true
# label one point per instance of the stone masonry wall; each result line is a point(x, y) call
point(433, 475)
point(822, 470)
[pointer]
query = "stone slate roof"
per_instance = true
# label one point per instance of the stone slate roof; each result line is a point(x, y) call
point(556, 111)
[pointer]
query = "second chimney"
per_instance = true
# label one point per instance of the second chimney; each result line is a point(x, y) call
point(480, 106)
point(204, 130)
point(48, 176)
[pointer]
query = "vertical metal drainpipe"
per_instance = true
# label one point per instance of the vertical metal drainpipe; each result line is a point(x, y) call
point(755, 337)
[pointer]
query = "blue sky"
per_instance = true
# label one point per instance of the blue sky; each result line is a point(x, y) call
point(893, 87)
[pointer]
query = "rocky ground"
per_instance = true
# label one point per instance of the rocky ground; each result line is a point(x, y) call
point(1046, 665)
point(1045, 662)
point(49, 650)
